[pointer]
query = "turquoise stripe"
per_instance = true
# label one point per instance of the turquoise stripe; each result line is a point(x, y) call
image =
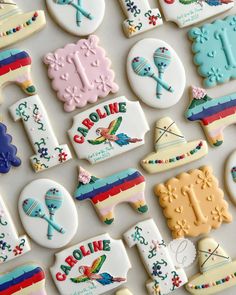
point(17, 272)
point(8, 53)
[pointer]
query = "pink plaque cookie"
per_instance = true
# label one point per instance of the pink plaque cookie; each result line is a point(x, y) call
point(80, 73)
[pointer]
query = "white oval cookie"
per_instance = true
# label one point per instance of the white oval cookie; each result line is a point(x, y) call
point(78, 17)
point(156, 74)
point(230, 176)
point(48, 213)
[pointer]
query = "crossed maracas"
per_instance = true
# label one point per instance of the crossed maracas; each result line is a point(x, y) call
point(79, 9)
point(53, 200)
point(143, 68)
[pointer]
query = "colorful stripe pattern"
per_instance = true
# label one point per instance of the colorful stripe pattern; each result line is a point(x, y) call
point(13, 59)
point(214, 114)
point(21, 278)
point(105, 194)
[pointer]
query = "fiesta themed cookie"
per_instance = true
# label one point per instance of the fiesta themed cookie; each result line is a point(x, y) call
point(217, 271)
point(28, 279)
point(171, 148)
point(8, 151)
point(11, 245)
point(81, 73)
point(165, 277)
point(152, 68)
point(140, 17)
point(214, 50)
point(193, 203)
point(38, 128)
point(214, 114)
point(106, 193)
point(188, 12)
point(77, 17)
point(15, 67)
point(104, 131)
point(124, 292)
point(16, 25)
point(94, 266)
point(48, 213)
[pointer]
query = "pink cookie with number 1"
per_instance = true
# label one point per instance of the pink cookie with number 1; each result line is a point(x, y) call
point(81, 73)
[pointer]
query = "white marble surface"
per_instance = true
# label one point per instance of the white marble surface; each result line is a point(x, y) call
point(117, 47)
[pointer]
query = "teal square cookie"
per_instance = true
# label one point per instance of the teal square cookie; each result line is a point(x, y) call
point(214, 48)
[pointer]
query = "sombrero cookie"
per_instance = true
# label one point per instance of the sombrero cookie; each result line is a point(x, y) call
point(217, 271)
point(27, 279)
point(16, 25)
point(171, 148)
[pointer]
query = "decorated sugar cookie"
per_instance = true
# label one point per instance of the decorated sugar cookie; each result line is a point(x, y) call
point(105, 193)
point(8, 151)
point(28, 279)
point(214, 51)
point(124, 292)
point(165, 277)
point(11, 245)
point(214, 114)
point(140, 17)
point(193, 203)
point(81, 73)
point(16, 25)
point(188, 12)
point(95, 266)
point(217, 271)
point(48, 213)
point(172, 149)
point(152, 68)
point(37, 125)
point(15, 67)
point(105, 130)
point(78, 17)
point(230, 176)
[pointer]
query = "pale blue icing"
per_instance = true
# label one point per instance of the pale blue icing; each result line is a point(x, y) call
point(17, 272)
point(214, 46)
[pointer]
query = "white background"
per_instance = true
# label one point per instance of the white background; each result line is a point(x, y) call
point(117, 47)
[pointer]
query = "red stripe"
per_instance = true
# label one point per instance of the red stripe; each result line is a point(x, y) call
point(15, 65)
point(116, 190)
point(26, 283)
point(219, 115)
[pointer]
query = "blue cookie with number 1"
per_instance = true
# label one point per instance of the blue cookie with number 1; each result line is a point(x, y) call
point(214, 46)
point(8, 151)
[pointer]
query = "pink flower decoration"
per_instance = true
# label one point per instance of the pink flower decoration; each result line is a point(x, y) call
point(84, 176)
point(198, 93)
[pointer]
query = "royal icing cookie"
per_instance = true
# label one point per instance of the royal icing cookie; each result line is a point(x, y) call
point(214, 51)
point(81, 73)
point(140, 17)
point(78, 17)
point(214, 114)
point(8, 151)
point(105, 193)
point(171, 148)
point(16, 25)
point(230, 176)
point(37, 125)
point(105, 131)
point(124, 292)
point(152, 68)
point(188, 12)
point(95, 266)
point(15, 67)
point(11, 246)
point(217, 270)
point(165, 277)
point(48, 213)
point(193, 203)
point(28, 279)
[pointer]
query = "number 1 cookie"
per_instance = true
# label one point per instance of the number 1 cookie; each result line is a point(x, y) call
point(16, 25)
point(78, 17)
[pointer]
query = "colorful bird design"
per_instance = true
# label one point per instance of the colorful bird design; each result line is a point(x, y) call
point(209, 2)
point(92, 273)
point(108, 135)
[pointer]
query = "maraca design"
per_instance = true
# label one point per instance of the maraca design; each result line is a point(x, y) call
point(143, 68)
point(53, 200)
point(80, 11)
point(33, 208)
